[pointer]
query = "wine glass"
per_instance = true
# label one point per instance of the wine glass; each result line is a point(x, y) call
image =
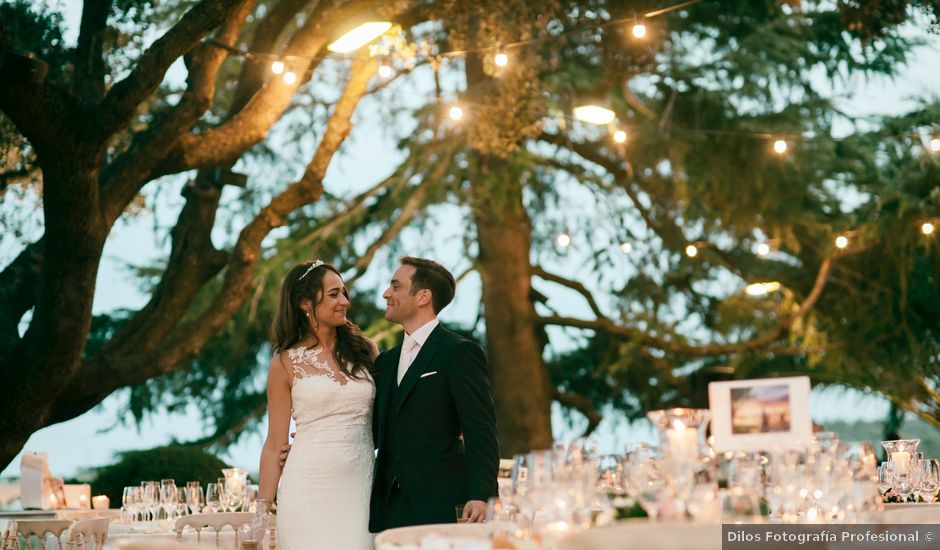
point(233, 495)
point(929, 474)
point(194, 497)
point(130, 503)
point(885, 478)
point(150, 498)
point(214, 497)
point(168, 497)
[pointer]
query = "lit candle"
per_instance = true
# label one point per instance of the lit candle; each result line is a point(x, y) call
point(683, 441)
point(100, 502)
point(902, 462)
point(82, 501)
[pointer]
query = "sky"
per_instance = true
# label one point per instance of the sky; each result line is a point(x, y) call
point(368, 156)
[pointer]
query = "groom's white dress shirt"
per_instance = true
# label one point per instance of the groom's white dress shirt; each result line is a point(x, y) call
point(412, 345)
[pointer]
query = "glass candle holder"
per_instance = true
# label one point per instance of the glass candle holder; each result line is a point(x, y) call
point(681, 433)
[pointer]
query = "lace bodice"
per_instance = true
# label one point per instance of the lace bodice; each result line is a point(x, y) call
point(323, 395)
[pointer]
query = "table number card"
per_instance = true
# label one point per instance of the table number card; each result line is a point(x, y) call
point(761, 414)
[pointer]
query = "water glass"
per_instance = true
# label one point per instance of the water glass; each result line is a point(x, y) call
point(130, 504)
point(194, 497)
point(150, 498)
point(213, 498)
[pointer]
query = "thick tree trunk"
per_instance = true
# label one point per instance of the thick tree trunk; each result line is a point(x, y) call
point(521, 385)
point(33, 377)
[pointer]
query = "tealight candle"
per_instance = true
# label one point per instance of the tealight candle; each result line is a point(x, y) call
point(683, 441)
point(100, 502)
point(902, 462)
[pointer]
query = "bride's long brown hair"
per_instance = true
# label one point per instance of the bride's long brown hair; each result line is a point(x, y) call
point(292, 326)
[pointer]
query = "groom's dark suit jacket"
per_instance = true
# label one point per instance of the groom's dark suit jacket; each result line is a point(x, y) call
point(417, 427)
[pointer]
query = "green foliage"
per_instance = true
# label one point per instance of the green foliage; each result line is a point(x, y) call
point(177, 462)
point(702, 99)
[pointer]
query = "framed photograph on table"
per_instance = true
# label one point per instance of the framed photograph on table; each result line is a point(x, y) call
point(762, 414)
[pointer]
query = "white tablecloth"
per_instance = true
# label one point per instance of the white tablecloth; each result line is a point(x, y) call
point(642, 533)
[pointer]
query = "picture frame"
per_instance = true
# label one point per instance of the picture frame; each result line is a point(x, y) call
point(760, 414)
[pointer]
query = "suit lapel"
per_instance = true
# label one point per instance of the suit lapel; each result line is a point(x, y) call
point(418, 367)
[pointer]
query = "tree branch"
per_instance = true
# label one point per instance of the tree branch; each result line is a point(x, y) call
point(581, 404)
point(123, 179)
point(574, 285)
point(101, 375)
point(90, 69)
point(19, 283)
point(122, 100)
point(405, 214)
point(706, 350)
point(250, 125)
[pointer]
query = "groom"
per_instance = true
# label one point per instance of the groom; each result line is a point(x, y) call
point(434, 422)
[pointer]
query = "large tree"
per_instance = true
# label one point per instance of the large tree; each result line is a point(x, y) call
point(702, 99)
point(100, 130)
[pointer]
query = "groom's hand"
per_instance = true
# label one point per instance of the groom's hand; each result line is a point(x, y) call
point(475, 511)
point(285, 450)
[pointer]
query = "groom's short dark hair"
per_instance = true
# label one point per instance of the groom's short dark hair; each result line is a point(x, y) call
point(432, 276)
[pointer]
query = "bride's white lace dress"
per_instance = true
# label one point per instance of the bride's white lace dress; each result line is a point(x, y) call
point(323, 497)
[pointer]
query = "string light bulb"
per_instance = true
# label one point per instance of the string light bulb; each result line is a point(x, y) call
point(691, 251)
point(501, 59)
point(842, 241)
point(780, 147)
point(563, 240)
point(594, 114)
point(761, 289)
point(626, 247)
point(455, 113)
point(277, 67)
point(935, 145)
point(290, 77)
point(620, 136)
point(359, 36)
point(927, 228)
point(638, 29)
point(385, 71)
point(763, 249)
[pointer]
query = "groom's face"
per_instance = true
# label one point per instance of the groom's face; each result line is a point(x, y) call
point(400, 303)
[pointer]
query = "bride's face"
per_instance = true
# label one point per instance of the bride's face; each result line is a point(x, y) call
point(334, 301)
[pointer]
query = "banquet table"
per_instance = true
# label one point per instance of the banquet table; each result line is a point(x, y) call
point(621, 535)
point(690, 536)
point(120, 534)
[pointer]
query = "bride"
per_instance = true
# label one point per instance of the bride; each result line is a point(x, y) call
point(320, 375)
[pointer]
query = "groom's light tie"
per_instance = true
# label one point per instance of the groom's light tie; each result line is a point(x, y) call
point(407, 350)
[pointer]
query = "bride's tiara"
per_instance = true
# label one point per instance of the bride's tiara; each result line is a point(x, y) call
point(315, 264)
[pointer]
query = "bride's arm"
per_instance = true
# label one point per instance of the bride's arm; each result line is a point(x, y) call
point(279, 408)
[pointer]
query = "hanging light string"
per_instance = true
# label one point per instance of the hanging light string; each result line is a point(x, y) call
point(283, 65)
point(248, 54)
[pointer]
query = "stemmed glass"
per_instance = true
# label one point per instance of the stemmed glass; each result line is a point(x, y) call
point(929, 475)
point(130, 503)
point(234, 495)
point(168, 497)
point(150, 498)
point(194, 497)
point(885, 478)
point(214, 497)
